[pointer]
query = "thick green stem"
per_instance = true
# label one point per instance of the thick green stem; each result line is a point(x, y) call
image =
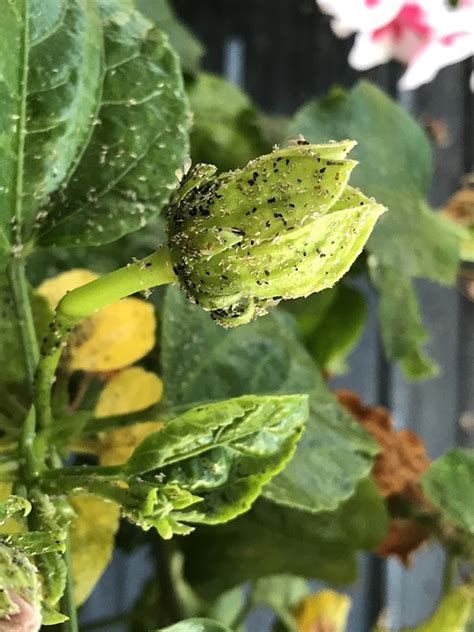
point(84, 301)
point(134, 277)
point(26, 328)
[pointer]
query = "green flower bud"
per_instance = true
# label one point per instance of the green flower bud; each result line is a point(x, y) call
point(20, 592)
point(284, 226)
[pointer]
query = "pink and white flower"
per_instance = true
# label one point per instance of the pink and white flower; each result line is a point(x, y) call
point(426, 35)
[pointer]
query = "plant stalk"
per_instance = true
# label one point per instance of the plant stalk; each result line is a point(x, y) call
point(71, 624)
point(84, 301)
point(449, 572)
point(26, 326)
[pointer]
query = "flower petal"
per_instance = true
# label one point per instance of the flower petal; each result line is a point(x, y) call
point(368, 51)
point(432, 57)
point(360, 15)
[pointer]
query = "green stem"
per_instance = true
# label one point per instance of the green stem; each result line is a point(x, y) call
point(168, 605)
point(26, 326)
point(84, 301)
point(70, 602)
point(109, 471)
point(449, 572)
point(21, 300)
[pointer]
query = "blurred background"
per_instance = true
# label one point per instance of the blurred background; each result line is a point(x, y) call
point(282, 53)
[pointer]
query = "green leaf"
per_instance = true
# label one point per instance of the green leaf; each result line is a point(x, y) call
point(52, 568)
point(186, 44)
point(272, 539)
point(395, 168)
point(138, 139)
point(202, 361)
point(281, 593)
point(331, 323)
point(449, 483)
point(209, 426)
point(222, 453)
point(196, 625)
point(38, 542)
point(227, 128)
point(50, 87)
point(105, 134)
point(13, 505)
point(403, 333)
point(451, 615)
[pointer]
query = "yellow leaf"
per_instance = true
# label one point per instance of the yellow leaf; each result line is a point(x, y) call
point(92, 534)
point(129, 391)
point(114, 337)
point(324, 611)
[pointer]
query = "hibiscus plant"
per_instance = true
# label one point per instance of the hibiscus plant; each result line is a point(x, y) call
point(198, 417)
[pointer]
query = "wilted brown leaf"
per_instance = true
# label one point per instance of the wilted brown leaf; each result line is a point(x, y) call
point(402, 458)
point(404, 536)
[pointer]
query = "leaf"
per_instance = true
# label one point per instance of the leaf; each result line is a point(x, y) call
point(331, 322)
point(403, 538)
point(272, 539)
point(281, 593)
point(451, 615)
point(20, 590)
point(38, 542)
point(403, 333)
point(50, 87)
point(402, 458)
point(189, 48)
point(202, 361)
point(196, 625)
point(52, 568)
point(13, 505)
point(227, 128)
point(113, 337)
point(449, 483)
point(460, 209)
point(92, 536)
point(223, 453)
point(129, 391)
point(396, 168)
point(127, 171)
point(219, 424)
point(325, 609)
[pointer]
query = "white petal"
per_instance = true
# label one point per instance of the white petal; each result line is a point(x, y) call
point(431, 58)
point(361, 15)
point(368, 51)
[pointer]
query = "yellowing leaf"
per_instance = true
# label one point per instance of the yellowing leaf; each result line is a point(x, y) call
point(92, 534)
point(129, 391)
point(324, 611)
point(114, 337)
point(452, 614)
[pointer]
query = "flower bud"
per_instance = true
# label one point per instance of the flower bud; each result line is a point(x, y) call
point(20, 592)
point(284, 226)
